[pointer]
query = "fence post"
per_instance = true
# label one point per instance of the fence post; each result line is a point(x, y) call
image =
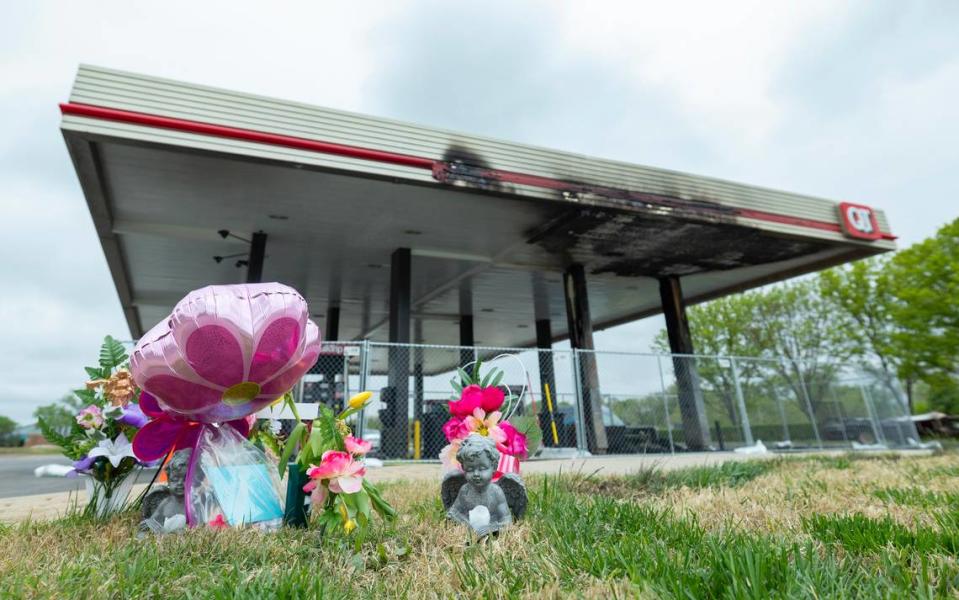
point(743, 417)
point(669, 422)
point(873, 417)
point(839, 413)
point(578, 395)
point(812, 413)
point(364, 373)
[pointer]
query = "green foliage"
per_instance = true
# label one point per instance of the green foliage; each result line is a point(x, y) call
point(913, 496)
point(56, 416)
point(788, 325)
point(893, 314)
point(674, 557)
point(528, 425)
point(7, 425)
point(861, 534)
point(112, 355)
point(570, 544)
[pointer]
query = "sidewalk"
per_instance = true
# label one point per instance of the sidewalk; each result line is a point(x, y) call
point(50, 506)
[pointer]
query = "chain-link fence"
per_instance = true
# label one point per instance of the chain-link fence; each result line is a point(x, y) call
point(615, 402)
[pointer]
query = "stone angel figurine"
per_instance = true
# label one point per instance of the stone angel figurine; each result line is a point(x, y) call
point(471, 497)
point(164, 508)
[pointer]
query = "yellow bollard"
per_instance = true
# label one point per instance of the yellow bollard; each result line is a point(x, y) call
point(416, 439)
point(552, 421)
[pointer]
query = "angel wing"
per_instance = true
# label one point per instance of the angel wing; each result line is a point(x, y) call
point(152, 500)
point(450, 488)
point(515, 491)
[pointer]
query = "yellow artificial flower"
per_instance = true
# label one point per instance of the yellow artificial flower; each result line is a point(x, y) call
point(349, 526)
point(359, 401)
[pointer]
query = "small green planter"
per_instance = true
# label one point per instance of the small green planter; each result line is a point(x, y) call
point(295, 513)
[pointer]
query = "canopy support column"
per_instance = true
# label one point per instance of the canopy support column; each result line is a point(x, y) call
point(254, 264)
point(396, 396)
point(695, 426)
point(581, 338)
point(544, 342)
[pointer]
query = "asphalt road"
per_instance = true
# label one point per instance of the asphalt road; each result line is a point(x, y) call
point(17, 478)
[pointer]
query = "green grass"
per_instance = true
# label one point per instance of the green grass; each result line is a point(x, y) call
point(859, 533)
point(914, 496)
point(582, 537)
point(654, 480)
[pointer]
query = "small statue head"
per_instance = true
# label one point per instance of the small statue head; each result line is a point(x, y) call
point(176, 471)
point(478, 456)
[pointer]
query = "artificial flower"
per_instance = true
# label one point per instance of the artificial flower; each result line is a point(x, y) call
point(344, 474)
point(455, 429)
point(470, 400)
point(349, 526)
point(166, 432)
point(82, 466)
point(493, 398)
point(90, 417)
point(133, 416)
point(356, 447)
point(448, 455)
point(120, 388)
point(114, 450)
point(218, 522)
point(515, 443)
point(317, 491)
point(359, 401)
point(486, 424)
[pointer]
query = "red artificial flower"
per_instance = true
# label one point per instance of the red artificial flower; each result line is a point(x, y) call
point(218, 522)
point(489, 399)
point(493, 398)
point(470, 400)
point(455, 429)
point(515, 444)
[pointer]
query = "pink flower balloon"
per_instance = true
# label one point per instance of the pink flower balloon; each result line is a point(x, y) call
point(227, 351)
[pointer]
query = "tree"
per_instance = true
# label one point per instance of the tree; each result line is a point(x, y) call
point(864, 296)
point(791, 325)
point(59, 415)
point(927, 289)
point(7, 427)
point(724, 327)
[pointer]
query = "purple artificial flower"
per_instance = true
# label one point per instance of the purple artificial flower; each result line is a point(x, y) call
point(82, 466)
point(133, 416)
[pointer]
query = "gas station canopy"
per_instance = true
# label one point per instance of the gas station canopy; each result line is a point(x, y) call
point(168, 168)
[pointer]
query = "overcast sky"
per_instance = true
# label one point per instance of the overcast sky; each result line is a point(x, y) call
point(851, 101)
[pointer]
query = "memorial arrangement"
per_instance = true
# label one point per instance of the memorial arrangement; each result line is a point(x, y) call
point(188, 399)
point(331, 458)
point(99, 438)
point(223, 354)
point(481, 485)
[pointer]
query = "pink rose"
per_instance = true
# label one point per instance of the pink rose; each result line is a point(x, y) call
point(470, 400)
point(455, 429)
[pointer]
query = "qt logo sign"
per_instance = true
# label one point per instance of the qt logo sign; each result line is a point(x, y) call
point(859, 221)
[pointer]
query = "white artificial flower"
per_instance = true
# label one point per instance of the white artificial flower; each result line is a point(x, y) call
point(114, 450)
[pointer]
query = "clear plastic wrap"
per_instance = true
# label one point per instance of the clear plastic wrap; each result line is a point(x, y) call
point(230, 482)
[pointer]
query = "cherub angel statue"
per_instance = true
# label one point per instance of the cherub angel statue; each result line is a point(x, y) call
point(164, 508)
point(472, 497)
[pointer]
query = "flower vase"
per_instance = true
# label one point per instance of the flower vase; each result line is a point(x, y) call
point(104, 499)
